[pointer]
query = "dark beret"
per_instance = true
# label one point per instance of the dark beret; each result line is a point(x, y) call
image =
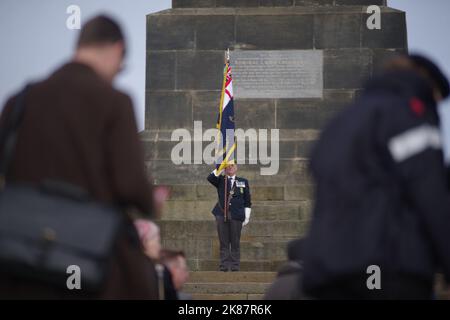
point(434, 71)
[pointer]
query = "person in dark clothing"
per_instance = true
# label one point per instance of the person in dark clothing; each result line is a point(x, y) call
point(232, 212)
point(80, 130)
point(381, 192)
point(287, 284)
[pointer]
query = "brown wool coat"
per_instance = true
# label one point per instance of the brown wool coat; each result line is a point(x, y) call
point(79, 129)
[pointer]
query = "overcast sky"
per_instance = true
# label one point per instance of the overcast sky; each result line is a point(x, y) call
point(35, 39)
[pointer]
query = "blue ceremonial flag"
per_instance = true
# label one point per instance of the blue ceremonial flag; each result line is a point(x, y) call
point(225, 121)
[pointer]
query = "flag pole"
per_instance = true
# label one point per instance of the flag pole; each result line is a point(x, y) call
point(223, 88)
point(218, 125)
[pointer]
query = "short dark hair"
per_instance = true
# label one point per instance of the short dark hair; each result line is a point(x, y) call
point(100, 30)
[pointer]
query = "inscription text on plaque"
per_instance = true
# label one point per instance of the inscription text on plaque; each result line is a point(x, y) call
point(277, 74)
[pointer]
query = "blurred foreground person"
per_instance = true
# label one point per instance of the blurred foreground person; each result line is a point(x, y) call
point(78, 130)
point(286, 285)
point(381, 193)
point(151, 242)
point(175, 261)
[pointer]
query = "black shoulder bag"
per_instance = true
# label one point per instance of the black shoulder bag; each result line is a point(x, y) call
point(46, 229)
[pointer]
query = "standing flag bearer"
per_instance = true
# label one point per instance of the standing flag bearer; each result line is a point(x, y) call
point(233, 208)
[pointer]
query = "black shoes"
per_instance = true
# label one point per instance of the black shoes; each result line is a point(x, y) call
point(223, 269)
point(234, 269)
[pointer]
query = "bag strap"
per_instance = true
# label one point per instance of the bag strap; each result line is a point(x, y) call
point(9, 133)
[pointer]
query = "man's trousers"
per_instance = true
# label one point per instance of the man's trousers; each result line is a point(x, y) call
point(229, 237)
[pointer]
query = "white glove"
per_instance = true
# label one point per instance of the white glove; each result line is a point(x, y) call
point(217, 173)
point(247, 216)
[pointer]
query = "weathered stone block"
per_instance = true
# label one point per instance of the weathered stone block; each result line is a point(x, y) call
point(276, 3)
point(160, 71)
point(306, 208)
point(346, 68)
point(267, 193)
point(337, 31)
point(206, 265)
point(206, 192)
point(193, 3)
point(215, 32)
point(227, 288)
point(310, 113)
point(314, 2)
point(194, 249)
point(168, 110)
point(263, 250)
point(221, 296)
point(298, 192)
point(207, 229)
point(237, 3)
point(275, 32)
point(206, 107)
point(273, 210)
point(217, 276)
point(170, 32)
point(255, 296)
point(188, 210)
point(391, 35)
point(159, 150)
point(254, 113)
point(182, 192)
point(184, 210)
point(360, 2)
point(294, 149)
point(303, 117)
point(199, 70)
point(164, 172)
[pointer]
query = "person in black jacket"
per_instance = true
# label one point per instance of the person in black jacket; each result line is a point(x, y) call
point(381, 193)
point(232, 212)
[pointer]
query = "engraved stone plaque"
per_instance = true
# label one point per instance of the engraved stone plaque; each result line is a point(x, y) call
point(277, 73)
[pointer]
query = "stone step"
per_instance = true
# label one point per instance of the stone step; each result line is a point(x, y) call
point(188, 230)
point(226, 288)
point(207, 191)
point(270, 249)
point(290, 172)
point(246, 265)
point(231, 277)
point(261, 210)
point(227, 296)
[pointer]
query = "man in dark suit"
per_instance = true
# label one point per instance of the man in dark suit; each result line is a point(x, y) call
point(232, 212)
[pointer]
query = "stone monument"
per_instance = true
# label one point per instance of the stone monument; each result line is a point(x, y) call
point(295, 63)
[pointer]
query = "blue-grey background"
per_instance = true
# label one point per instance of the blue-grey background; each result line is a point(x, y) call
point(34, 40)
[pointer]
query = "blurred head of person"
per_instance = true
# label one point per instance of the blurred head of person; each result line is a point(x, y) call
point(231, 169)
point(150, 238)
point(426, 69)
point(175, 261)
point(101, 45)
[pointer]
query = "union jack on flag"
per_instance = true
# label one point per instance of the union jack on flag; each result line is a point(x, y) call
point(225, 121)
